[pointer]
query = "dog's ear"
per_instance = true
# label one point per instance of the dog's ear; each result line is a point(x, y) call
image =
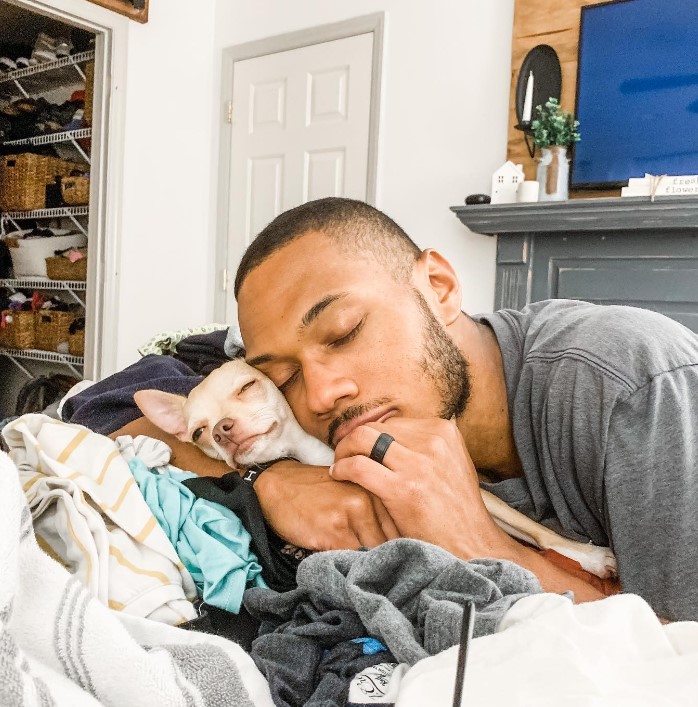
point(166, 410)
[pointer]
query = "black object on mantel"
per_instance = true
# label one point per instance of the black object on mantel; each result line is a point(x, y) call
point(543, 62)
point(473, 199)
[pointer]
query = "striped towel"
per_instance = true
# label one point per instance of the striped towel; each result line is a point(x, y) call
point(59, 646)
point(90, 515)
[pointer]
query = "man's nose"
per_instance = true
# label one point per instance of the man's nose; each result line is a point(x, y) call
point(223, 430)
point(325, 387)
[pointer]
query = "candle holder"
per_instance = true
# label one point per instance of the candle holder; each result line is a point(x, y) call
point(527, 130)
point(544, 64)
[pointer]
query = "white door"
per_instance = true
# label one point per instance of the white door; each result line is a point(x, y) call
point(300, 131)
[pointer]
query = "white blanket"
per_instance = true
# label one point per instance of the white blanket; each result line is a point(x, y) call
point(60, 646)
point(550, 652)
point(89, 514)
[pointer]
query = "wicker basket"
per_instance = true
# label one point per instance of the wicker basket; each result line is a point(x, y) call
point(76, 343)
point(52, 329)
point(60, 268)
point(18, 331)
point(75, 190)
point(23, 179)
point(89, 92)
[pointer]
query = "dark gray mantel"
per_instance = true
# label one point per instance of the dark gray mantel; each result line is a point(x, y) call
point(666, 212)
point(611, 251)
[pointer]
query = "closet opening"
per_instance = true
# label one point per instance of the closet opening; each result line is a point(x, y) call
point(54, 108)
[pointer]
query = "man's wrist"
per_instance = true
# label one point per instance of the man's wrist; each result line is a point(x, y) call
point(255, 471)
point(496, 544)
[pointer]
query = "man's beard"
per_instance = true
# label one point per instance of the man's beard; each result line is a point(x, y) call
point(441, 361)
point(444, 364)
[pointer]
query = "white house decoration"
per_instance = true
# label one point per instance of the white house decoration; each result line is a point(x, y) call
point(505, 182)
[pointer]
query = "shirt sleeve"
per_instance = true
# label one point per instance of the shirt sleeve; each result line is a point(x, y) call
point(651, 492)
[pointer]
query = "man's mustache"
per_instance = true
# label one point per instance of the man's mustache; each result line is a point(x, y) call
point(349, 414)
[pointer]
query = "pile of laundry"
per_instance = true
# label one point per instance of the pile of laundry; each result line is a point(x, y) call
point(144, 539)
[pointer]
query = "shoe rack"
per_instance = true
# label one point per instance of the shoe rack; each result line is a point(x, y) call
point(53, 80)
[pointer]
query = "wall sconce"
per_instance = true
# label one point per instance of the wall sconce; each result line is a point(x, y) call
point(540, 78)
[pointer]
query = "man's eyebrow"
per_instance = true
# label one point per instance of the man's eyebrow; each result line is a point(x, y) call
point(308, 318)
point(314, 312)
point(257, 360)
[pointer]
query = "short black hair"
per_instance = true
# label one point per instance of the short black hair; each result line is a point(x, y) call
point(354, 225)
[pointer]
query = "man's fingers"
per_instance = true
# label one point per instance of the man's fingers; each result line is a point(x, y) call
point(384, 518)
point(372, 476)
point(368, 530)
point(361, 441)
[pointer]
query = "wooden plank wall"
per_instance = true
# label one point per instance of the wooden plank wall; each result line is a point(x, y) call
point(546, 22)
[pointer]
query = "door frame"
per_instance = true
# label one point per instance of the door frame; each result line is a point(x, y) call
point(366, 24)
point(106, 171)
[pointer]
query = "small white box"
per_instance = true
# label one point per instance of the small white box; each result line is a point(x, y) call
point(29, 256)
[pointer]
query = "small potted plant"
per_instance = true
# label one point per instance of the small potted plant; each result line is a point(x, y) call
point(554, 130)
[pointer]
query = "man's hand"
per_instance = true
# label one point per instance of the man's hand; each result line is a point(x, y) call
point(427, 483)
point(309, 509)
point(429, 486)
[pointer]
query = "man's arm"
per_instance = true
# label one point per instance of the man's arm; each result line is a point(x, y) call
point(307, 508)
point(651, 492)
point(429, 486)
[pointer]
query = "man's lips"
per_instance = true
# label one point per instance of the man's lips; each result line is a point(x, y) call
point(377, 415)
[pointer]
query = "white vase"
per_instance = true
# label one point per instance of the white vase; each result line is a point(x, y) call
point(553, 173)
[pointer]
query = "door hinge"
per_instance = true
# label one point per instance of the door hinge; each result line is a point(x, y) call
point(224, 279)
point(230, 112)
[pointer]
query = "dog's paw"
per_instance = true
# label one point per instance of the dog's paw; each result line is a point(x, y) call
point(600, 561)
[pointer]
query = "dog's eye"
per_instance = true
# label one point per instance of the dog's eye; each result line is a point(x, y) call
point(197, 434)
point(247, 385)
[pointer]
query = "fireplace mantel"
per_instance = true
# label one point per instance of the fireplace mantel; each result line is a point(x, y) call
point(582, 215)
point(612, 251)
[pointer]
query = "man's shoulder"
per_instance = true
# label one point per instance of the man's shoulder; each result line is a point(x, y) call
point(629, 343)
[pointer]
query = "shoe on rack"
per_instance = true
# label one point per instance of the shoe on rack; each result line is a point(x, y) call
point(48, 48)
point(76, 122)
point(6, 64)
point(43, 56)
point(5, 128)
point(63, 49)
point(22, 62)
point(45, 41)
point(27, 105)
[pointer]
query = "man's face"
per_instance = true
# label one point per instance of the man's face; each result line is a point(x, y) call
point(345, 342)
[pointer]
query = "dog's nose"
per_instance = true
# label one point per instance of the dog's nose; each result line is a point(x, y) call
point(223, 430)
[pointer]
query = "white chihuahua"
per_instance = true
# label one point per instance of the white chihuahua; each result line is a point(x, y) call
point(237, 414)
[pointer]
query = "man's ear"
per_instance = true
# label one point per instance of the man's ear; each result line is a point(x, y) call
point(166, 410)
point(438, 282)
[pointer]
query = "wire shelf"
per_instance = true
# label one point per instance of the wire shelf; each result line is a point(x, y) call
point(43, 283)
point(80, 58)
point(46, 213)
point(52, 138)
point(47, 356)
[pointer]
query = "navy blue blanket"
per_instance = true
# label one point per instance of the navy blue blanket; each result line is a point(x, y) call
point(108, 405)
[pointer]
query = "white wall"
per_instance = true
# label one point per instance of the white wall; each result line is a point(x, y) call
point(167, 228)
point(444, 115)
point(443, 131)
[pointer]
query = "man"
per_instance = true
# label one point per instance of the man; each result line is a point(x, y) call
point(587, 416)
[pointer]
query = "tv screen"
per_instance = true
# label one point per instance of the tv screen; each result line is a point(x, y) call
point(637, 91)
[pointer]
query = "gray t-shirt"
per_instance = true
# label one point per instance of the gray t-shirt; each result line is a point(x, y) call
point(604, 408)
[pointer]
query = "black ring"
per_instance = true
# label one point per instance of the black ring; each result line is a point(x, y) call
point(381, 447)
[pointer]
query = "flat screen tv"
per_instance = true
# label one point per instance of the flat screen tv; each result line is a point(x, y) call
point(637, 92)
